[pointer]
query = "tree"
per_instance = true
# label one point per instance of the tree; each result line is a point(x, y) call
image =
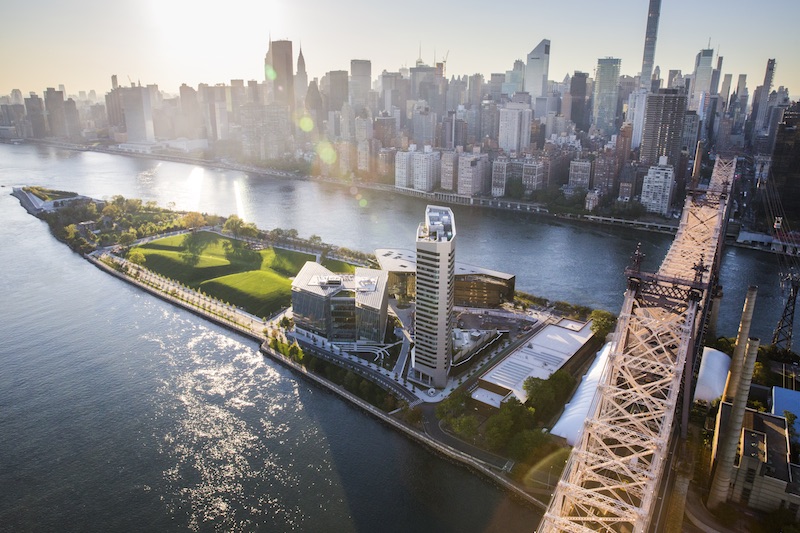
point(791, 418)
point(126, 238)
point(136, 257)
point(603, 322)
point(193, 220)
point(233, 225)
point(112, 211)
point(466, 426)
point(316, 240)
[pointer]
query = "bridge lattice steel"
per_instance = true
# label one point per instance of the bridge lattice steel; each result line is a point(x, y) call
point(611, 480)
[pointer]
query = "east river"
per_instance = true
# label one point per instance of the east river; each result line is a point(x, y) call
point(121, 412)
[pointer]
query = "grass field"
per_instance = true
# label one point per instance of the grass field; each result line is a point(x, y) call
point(340, 267)
point(257, 281)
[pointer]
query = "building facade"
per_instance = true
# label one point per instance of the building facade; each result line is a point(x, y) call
point(433, 329)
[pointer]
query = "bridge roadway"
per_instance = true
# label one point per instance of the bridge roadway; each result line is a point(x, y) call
point(612, 478)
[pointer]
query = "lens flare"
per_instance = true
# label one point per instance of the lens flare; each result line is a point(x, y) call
point(362, 202)
point(326, 153)
point(306, 124)
point(270, 73)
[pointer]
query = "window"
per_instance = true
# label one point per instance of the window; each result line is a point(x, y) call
point(750, 476)
point(745, 499)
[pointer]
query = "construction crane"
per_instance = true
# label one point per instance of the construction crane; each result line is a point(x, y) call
point(788, 264)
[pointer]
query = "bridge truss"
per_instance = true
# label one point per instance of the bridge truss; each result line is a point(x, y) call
point(611, 480)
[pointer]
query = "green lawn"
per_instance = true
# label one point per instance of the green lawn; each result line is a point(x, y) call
point(257, 281)
point(340, 267)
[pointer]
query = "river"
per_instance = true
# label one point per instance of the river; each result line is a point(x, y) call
point(121, 412)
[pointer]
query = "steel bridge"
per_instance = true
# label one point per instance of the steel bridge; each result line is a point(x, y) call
point(611, 480)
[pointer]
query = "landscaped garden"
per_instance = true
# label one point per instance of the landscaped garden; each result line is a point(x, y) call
point(226, 269)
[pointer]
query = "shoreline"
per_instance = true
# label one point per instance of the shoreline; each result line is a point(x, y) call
point(433, 446)
point(448, 198)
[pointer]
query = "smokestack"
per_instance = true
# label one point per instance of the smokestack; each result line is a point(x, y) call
point(732, 385)
point(730, 440)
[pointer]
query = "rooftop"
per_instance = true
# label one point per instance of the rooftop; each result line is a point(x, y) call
point(438, 225)
point(399, 260)
point(540, 357)
point(368, 285)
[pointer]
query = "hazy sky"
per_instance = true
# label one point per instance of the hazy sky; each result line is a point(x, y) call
point(81, 43)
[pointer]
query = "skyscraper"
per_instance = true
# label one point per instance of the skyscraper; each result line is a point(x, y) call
point(701, 81)
point(436, 251)
point(338, 89)
point(360, 81)
point(650, 35)
point(577, 91)
point(663, 127)
point(56, 118)
point(34, 108)
point(606, 91)
point(278, 72)
point(300, 80)
point(138, 114)
point(515, 128)
point(762, 119)
point(537, 68)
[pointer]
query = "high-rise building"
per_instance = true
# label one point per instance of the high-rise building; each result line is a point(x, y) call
point(701, 80)
point(338, 92)
point(360, 82)
point(537, 68)
point(637, 103)
point(138, 114)
point(606, 91)
point(515, 128)
point(404, 168)
point(577, 91)
point(762, 119)
point(56, 118)
point(650, 35)
point(278, 71)
point(449, 172)
point(300, 80)
point(474, 173)
point(34, 108)
point(426, 169)
point(663, 127)
point(657, 188)
point(433, 328)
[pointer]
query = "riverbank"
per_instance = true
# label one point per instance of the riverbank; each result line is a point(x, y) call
point(240, 322)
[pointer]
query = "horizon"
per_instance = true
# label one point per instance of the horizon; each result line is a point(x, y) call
point(168, 44)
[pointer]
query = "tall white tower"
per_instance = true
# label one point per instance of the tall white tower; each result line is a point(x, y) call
point(537, 69)
point(433, 330)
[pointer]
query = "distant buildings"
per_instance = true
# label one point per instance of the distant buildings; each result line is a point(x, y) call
point(663, 127)
point(537, 67)
point(604, 113)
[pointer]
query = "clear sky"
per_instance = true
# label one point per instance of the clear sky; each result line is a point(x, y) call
point(81, 43)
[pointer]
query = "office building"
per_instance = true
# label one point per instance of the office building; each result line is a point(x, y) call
point(701, 81)
point(433, 330)
point(278, 72)
point(537, 68)
point(300, 81)
point(663, 127)
point(578, 94)
point(606, 92)
point(360, 82)
point(341, 307)
point(56, 117)
point(138, 113)
point(657, 188)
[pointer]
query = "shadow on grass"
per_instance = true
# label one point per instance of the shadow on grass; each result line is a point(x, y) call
point(193, 246)
point(236, 252)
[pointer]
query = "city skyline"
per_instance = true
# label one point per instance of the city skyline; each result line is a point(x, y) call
point(169, 43)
